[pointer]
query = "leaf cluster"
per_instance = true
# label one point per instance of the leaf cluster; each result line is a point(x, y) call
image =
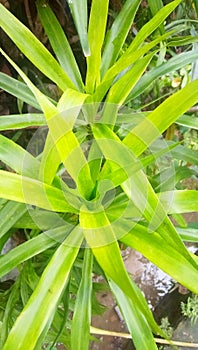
point(88, 190)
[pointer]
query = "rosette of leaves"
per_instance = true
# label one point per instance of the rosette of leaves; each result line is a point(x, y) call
point(76, 229)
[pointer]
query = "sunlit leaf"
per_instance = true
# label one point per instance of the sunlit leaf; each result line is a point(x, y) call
point(9, 215)
point(185, 201)
point(163, 255)
point(33, 49)
point(139, 329)
point(18, 89)
point(153, 24)
point(97, 19)
point(172, 64)
point(32, 247)
point(139, 138)
point(79, 13)
point(18, 121)
point(17, 158)
point(155, 6)
point(26, 190)
point(41, 305)
point(101, 238)
point(59, 43)
point(80, 330)
point(117, 34)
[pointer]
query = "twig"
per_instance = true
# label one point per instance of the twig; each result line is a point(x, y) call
point(177, 343)
point(99, 331)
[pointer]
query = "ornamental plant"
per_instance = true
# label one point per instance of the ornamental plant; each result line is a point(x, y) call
point(86, 191)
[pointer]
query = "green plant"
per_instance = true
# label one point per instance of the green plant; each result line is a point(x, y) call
point(190, 308)
point(76, 225)
point(166, 327)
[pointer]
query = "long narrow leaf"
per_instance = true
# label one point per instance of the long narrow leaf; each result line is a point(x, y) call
point(33, 49)
point(174, 63)
point(32, 247)
point(9, 215)
point(139, 329)
point(196, 6)
point(120, 90)
point(186, 154)
point(60, 125)
point(176, 105)
point(26, 190)
point(17, 158)
point(164, 256)
point(80, 330)
point(67, 143)
point(137, 187)
point(125, 61)
point(153, 24)
point(117, 34)
point(102, 240)
point(155, 6)
point(50, 161)
point(40, 219)
point(79, 13)
point(151, 208)
point(59, 43)
point(189, 234)
point(129, 58)
point(117, 175)
point(95, 161)
point(18, 89)
point(183, 40)
point(18, 121)
point(188, 121)
point(96, 33)
point(46, 105)
point(41, 305)
point(185, 201)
